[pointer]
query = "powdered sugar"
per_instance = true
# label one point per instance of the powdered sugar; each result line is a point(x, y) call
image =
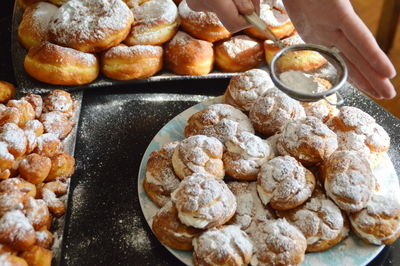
point(299, 81)
point(41, 15)
point(153, 11)
point(15, 225)
point(4, 153)
point(273, 17)
point(125, 51)
point(198, 17)
point(14, 137)
point(238, 44)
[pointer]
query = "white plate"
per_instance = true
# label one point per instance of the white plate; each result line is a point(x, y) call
point(351, 251)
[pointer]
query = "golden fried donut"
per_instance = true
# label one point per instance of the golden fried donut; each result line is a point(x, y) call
point(7, 91)
point(186, 55)
point(284, 183)
point(308, 140)
point(322, 109)
point(304, 60)
point(276, 242)
point(160, 179)
point(36, 101)
point(38, 256)
point(11, 200)
point(59, 186)
point(358, 131)
point(321, 222)
point(244, 154)
point(18, 184)
point(34, 168)
point(245, 88)
point(56, 123)
point(16, 230)
point(348, 180)
point(212, 204)
point(134, 62)
point(170, 231)
point(58, 100)
point(202, 25)
point(219, 121)
point(227, 245)
point(6, 158)
point(48, 145)
point(62, 167)
point(198, 154)
point(9, 259)
point(31, 139)
point(25, 3)
point(37, 212)
point(90, 26)
point(379, 222)
point(270, 113)
point(33, 28)
point(9, 115)
point(55, 205)
point(250, 211)
point(34, 126)
point(156, 22)
point(238, 53)
point(15, 139)
point(276, 19)
point(25, 110)
point(58, 65)
point(44, 238)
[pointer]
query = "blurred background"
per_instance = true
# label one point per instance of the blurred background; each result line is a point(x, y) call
point(386, 29)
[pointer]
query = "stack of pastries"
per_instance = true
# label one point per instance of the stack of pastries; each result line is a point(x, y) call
point(71, 42)
point(264, 179)
point(34, 174)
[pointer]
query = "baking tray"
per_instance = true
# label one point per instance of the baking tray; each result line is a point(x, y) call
point(105, 225)
point(25, 82)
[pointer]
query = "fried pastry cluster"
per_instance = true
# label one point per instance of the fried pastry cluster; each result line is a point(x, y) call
point(34, 174)
point(71, 42)
point(259, 180)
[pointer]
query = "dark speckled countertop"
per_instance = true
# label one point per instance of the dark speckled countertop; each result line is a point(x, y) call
point(104, 223)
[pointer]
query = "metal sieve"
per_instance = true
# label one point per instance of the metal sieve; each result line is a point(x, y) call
point(335, 63)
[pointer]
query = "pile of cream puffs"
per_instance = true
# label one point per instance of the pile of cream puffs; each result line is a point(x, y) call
point(263, 179)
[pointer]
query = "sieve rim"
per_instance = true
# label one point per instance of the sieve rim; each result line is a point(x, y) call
point(309, 97)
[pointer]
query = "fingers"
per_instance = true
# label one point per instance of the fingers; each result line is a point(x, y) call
point(197, 5)
point(229, 15)
point(359, 81)
point(256, 4)
point(359, 35)
point(245, 7)
point(381, 84)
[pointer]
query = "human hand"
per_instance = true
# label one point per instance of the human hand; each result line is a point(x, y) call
point(228, 11)
point(334, 23)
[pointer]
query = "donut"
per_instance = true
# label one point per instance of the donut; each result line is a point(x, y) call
point(16, 230)
point(358, 131)
point(322, 109)
point(219, 121)
point(244, 155)
point(55, 205)
point(44, 238)
point(6, 158)
point(58, 2)
point(186, 55)
point(34, 126)
point(198, 154)
point(36, 101)
point(284, 183)
point(304, 60)
point(379, 222)
point(58, 65)
point(321, 222)
point(250, 211)
point(8, 259)
point(160, 179)
point(37, 212)
point(270, 113)
point(170, 231)
point(26, 3)
point(48, 145)
point(11, 200)
point(25, 109)
point(133, 62)
point(57, 100)
point(7, 91)
point(38, 254)
point(15, 139)
point(34, 168)
point(33, 28)
point(203, 202)
point(202, 25)
point(62, 167)
point(134, 3)
point(308, 140)
point(277, 242)
point(90, 26)
point(275, 18)
point(56, 123)
point(245, 88)
point(17, 184)
point(348, 180)
point(156, 22)
point(227, 245)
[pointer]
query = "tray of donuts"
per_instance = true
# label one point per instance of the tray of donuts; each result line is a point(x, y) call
point(108, 42)
point(257, 177)
point(37, 141)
